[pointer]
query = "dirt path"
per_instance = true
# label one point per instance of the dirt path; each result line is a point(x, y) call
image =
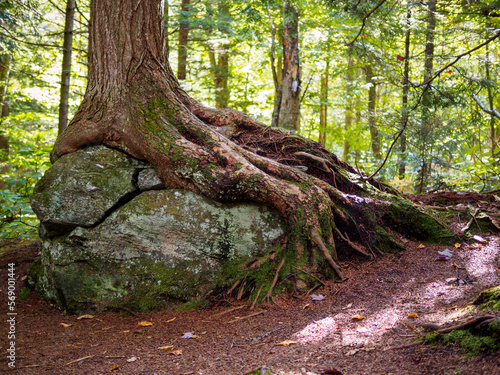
point(385, 292)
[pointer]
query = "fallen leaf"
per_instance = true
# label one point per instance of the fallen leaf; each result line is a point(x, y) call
point(347, 307)
point(457, 245)
point(317, 297)
point(24, 278)
point(478, 245)
point(286, 343)
point(421, 246)
point(114, 368)
point(132, 359)
point(145, 324)
point(358, 317)
point(171, 320)
point(479, 238)
point(176, 352)
point(66, 325)
point(127, 330)
point(412, 315)
point(168, 347)
point(187, 335)
point(86, 316)
point(306, 306)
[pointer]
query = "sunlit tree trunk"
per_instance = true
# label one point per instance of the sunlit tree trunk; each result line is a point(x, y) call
point(372, 116)
point(66, 65)
point(349, 108)
point(5, 64)
point(290, 97)
point(427, 116)
point(166, 25)
point(491, 103)
point(406, 89)
point(324, 105)
point(183, 40)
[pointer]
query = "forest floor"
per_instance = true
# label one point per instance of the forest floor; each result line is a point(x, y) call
point(395, 295)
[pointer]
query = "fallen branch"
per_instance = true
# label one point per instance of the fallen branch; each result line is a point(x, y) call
point(468, 323)
point(275, 280)
point(79, 359)
point(227, 311)
point(257, 297)
point(237, 319)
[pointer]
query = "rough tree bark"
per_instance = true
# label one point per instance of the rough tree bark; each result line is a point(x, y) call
point(290, 90)
point(134, 103)
point(372, 104)
point(183, 40)
point(427, 98)
point(66, 65)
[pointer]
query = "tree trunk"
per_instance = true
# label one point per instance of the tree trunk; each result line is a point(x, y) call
point(349, 108)
point(220, 74)
point(277, 71)
point(427, 117)
point(406, 90)
point(183, 40)
point(290, 97)
point(493, 136)
point(66, 65)
point(5, 63)
point(135, 104)
point(372, 103)
point(166, 24)
point(323, 105)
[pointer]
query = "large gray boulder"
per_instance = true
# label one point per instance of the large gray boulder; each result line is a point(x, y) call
point(127, 240)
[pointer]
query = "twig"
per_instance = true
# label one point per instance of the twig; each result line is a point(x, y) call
point(469, 223)
point(237, 319)
point(353, 245)
point(275, 280)
point(79, 359)
point(256, 298)
point(468, 323)
point(227, 311)
point(405, 346)
point(268, 333)
point(364, 21)
point(307, 273)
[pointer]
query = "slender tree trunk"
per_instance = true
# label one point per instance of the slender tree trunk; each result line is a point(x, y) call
point(427, 116)
point(348, 117)
point(166, 24)
point(277, 70)
point(5, 64)
point(372, 103)
point(406, 90)
point(219, 64)
point(290, 97)
point(183, 40)
point(493, 136)
point(323, 105)
point(66, 66)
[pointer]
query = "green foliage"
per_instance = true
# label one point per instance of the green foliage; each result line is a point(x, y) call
point(472, 344)
point(30, 138)
point(25, 292)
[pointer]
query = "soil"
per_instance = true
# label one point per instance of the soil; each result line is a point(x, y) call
point(395, 295)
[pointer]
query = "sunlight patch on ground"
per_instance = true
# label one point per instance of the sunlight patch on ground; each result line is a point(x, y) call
point(318, 330)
